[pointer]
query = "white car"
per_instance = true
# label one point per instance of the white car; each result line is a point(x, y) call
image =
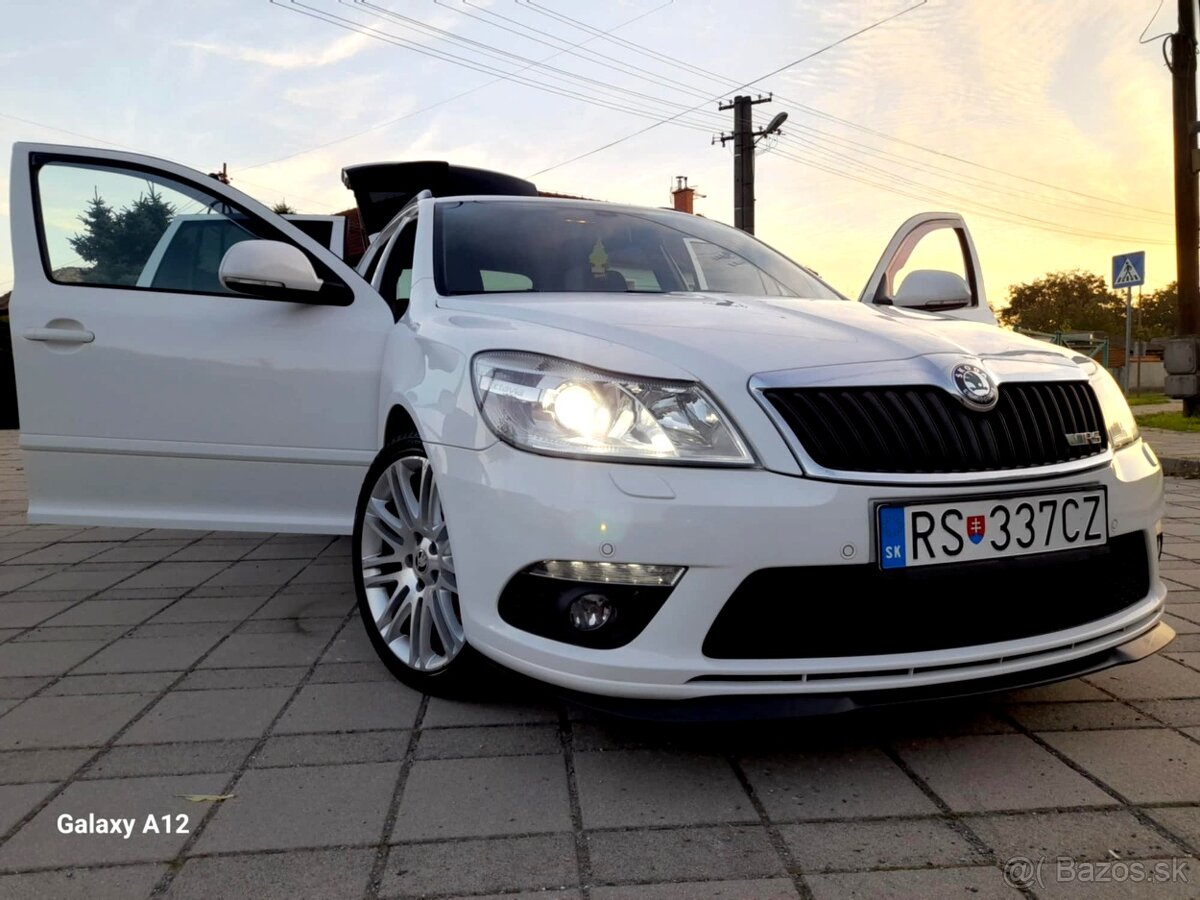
point(630, 452)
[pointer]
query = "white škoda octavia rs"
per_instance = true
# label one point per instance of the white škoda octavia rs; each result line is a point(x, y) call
point(630, 452)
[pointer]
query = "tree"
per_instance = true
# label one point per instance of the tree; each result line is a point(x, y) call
point(1065, 301)
point(117, 243)
point(1157, 313)
point(282, 208)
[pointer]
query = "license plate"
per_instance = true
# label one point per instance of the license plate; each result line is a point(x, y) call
point(930, 534)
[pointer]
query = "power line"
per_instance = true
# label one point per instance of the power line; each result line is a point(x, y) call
point(444, 100)
point(813, 111)
point(816, 134)
point(751, 83)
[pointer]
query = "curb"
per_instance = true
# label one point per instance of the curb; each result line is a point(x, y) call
point(1180, 468)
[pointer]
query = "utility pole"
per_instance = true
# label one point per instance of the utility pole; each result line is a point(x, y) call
point(1187, 198)
point(744, 138)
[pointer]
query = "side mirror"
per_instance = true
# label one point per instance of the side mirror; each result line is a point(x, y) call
point(933, 289)
point(272, 270)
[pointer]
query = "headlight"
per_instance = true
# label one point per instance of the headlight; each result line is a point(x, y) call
point(1118, 418)
point(554, 406)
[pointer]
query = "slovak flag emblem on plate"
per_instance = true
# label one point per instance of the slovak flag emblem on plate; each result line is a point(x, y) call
point(976, 526)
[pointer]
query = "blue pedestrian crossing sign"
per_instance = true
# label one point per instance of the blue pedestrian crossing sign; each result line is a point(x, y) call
point(1129, 269)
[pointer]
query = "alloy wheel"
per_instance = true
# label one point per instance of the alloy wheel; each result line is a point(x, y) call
point(408, 568)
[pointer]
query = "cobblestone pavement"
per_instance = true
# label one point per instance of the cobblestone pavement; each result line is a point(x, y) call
point(138, 668)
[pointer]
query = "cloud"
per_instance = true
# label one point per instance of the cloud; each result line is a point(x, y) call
point(340, 50)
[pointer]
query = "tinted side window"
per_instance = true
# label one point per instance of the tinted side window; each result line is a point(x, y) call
point(396, 281)
point(107, 225)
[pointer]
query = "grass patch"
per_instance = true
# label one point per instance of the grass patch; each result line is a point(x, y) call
point(1171, 421)
point(1147, 399)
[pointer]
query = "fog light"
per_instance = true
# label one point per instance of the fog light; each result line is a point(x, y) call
point(590, 612)
point(610, 572)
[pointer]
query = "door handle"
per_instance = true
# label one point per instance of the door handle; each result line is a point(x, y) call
point(60, 335)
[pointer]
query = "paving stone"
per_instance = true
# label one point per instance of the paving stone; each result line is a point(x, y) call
point(109, 612)
point(442, 713)
point(317, 806)
point(449, 798)
point(336, 673)
point(40, 844)
point(83, 884)
point(497, 740)
point(1177, 713)
point(135, 655)
point(175, 574)
point(1144, 765)
point(102, 633)
point(887, 844)
point(44, 658)
point(17, 800)
point(23, 766)
point(332, 749)
point(129, 683)
point(63, 553)
point(208, 716)
point(218, 679)
point(680, 854)
point(171, 759)
point(20, 688)
point(852, 783)
point(1060, 692)
point(766, 889)
point(653, 787)
point(1183, 821)
point(306, 606)
point(210, 609)
point(103, 533)
point(156, 630)
point(251, 650)
point(478, 866)
point(1091, 834)
point(297, 875)
point(85, 578)
point(1153, 678)
point(324, 628)
point(356, 706)
point(1002, 771)
point(213, 551)
point(68, 721)
point(980, 883)
point(335, 572)
point(1078, 716)
point(289, 549)
point(351, 645)
point(266, 573)
point(13, 577)
point(24, 615)
point(138, 551)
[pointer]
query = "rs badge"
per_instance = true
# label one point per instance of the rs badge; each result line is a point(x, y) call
point(976, 526)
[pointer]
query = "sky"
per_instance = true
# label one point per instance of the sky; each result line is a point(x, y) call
point(1046, 124)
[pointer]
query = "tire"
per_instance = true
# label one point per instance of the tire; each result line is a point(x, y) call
point(404, 574)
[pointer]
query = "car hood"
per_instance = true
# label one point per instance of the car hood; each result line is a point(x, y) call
point(741, 336)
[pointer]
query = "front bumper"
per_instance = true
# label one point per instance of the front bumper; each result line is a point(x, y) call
point(508, 509)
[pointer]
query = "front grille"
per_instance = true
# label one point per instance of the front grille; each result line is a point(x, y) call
point(819, 611)
point(924, 429)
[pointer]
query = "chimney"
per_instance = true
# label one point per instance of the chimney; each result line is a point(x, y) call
point(683, 196)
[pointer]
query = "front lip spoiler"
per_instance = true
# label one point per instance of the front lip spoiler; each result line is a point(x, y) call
point(788, 706)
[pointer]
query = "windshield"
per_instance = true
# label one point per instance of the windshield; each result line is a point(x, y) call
point(486, 247)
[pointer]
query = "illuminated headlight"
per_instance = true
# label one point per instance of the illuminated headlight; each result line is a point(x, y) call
point(550, 405)
point(1118, 417)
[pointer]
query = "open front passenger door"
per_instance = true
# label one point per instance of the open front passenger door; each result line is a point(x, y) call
point(165, 397)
